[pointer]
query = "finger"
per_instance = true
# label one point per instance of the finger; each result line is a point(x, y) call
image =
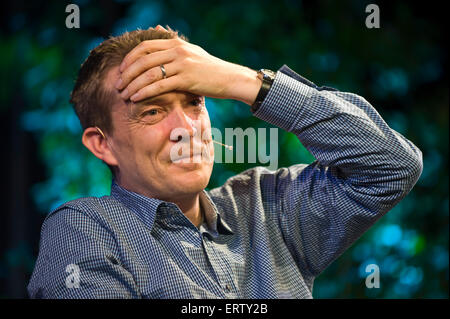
point(143, 64)
point(146, 47)
point(160, 27)
point(150, 76)
point(157, 88)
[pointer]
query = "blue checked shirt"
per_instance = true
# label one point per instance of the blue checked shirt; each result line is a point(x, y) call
point(267, 234)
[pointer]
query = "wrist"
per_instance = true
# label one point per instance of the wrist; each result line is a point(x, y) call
point(245, 86)
point(267, 77)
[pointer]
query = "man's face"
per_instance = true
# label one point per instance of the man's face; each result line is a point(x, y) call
point(144, 150)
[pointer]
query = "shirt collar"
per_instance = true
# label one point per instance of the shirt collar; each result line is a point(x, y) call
point(144, 207)
point(213, 221)
point(147, 208)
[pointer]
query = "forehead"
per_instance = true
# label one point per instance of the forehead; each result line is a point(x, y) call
point(109, 82)
point(113, 75)
point(123, 107)
point(111, 78)
point(122, 110)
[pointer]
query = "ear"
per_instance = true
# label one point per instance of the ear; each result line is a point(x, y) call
point(96, 143)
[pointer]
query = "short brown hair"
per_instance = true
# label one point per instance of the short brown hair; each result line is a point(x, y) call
point(91, 100)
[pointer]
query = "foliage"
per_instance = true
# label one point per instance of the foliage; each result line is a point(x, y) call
point(400, 68)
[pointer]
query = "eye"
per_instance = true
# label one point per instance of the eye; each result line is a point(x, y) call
point(151, 112)
point(197, 101)
point(152, 116)
point(198, 104)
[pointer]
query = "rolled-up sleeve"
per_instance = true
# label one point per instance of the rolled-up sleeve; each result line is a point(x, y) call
point(77, 259)
point(363, 168)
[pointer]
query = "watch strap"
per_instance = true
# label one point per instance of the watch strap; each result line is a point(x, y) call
point(268, 77)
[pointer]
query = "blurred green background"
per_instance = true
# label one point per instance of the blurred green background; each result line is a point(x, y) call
point(401, 68)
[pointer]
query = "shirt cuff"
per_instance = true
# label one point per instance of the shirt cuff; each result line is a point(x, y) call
point(283, 102)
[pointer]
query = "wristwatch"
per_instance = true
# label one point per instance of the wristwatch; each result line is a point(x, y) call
point(267, 77)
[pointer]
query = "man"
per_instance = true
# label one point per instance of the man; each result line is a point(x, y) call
point(263, 234)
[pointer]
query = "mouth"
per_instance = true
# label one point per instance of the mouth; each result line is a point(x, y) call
point(187, 158)
point(195, 154)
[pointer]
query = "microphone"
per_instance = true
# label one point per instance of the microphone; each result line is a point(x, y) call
point(194, 129)
point(229, 147)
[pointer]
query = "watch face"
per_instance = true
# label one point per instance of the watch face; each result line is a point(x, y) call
point(268, 73)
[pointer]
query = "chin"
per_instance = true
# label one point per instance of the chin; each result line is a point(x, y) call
point(191, 181)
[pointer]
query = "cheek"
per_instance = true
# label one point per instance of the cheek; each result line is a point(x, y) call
point(150, 140)
point(207, 140)
point(205, 127)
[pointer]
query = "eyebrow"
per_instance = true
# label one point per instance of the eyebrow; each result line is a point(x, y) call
point(150, 100)
point(162, 100)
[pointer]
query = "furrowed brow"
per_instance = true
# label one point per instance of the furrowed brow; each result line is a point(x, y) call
point(151, 100)
point(161, 100)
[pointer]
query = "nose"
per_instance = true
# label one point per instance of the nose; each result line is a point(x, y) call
point(182, 124)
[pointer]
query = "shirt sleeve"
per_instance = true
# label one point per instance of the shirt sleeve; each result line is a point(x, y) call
point(363, 168)
point(77, 260)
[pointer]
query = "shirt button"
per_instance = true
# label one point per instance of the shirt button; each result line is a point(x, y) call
point(227, 288)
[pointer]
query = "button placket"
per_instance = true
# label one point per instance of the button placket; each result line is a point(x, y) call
point(222, 275)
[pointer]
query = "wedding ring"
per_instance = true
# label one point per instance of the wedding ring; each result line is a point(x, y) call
point(163, 70)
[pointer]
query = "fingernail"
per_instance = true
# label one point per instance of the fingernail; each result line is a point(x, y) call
point(118, 83)
point(124, 94)
point(134, 97)
point(122, 66)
